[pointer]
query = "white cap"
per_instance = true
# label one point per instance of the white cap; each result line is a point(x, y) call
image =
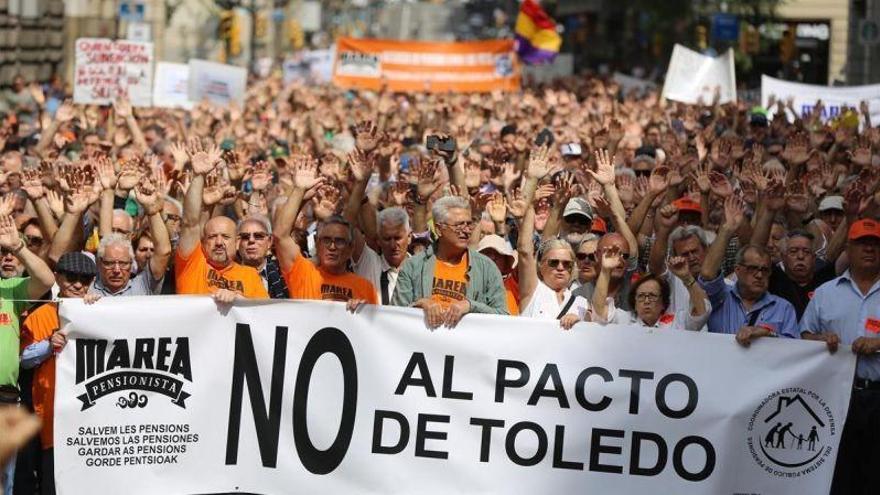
point(831, 203)
point(499, 245)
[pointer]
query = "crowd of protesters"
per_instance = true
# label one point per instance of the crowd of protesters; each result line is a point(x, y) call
point(572, 201)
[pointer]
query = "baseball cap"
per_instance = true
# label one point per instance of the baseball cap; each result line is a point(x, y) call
point(499, 245)
point(758, 120)
point(687, 204)
point(831, 203)
point(864, 228)
point(76, 263)
point(578, 206)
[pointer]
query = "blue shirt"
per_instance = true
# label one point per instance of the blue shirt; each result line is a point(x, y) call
point(729, 315)
point(839, 306)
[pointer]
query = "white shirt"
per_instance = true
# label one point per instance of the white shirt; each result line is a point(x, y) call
point(545, 305)
point(682, 320)
point(371, 265)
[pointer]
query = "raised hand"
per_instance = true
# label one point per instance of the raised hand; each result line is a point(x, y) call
point(427, 181)
point(496, 207)
point(65, 112)
point(678, 265)
point(305, 173)
point(604, 173)
point(32, 184)
point(720, 185)
point(261, 176)
point(122, 106)
point(611, 258)
point(774, 196)
point(861, 155)
point(9, 238)
point(203, 159)
point(107, 174)
point(472, 174)
point(516, 204)
point(721, 153)
point(76, 202)
point(796, 150)
point(734, 212)
point(214, 189)
point(659, 180)
point(400, 193)
point(668, 217)
point(539, 162)
point(149, 195)
point(179, 154)
point(129, 175)
point(326, 201)
point(796, 198)
point(367, 136)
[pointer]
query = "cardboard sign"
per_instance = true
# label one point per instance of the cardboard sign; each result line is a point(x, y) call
point(106, 70)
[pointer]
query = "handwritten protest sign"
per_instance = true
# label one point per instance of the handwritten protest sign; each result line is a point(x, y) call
point(107, 70)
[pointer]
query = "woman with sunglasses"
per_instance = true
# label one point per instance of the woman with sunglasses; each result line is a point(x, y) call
point(649, 298)
point(543, 280)
point(586, 261)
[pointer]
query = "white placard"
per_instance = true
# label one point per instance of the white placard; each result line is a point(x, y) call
point(171, 87)
point(220, 84)
point(833, 97)
point(692, 76)
point(106, 70)
point(266, 396)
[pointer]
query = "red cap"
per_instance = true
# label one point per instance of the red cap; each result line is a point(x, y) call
point(864, 228)
point(598, 226)
point(687, 204)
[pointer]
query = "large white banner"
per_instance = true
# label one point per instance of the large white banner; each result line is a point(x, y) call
point(834, 98)
point(220, 84)
point(693, 76)
point(170, 395)
point(106, 70)
point(171, 89)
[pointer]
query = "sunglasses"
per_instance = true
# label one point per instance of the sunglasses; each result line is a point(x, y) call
point(591, 257)
point(256, 236)
point(78, 277)
point(33, 240)
point(565, 264)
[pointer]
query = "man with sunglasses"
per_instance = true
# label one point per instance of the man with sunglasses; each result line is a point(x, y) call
point(746, 308)
point(255, 250)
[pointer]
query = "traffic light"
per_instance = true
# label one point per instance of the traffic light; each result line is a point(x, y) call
point(749, 39)
point(702, 37)
point(296, 35)
point(229, 30)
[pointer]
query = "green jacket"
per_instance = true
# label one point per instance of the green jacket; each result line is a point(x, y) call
point(485, 288)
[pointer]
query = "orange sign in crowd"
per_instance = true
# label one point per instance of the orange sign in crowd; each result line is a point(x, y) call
point(472, 66)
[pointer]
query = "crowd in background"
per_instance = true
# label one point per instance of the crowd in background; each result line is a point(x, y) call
point(572, 201)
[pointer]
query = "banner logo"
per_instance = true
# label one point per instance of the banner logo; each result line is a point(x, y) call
point(790, 433)
point(149, 365)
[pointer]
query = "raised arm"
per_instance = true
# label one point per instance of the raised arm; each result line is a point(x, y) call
point(41, 276)
point(604, 175)
point(63, 114)
point(75, 204)
point(123, 109)
point(203, 162)
point(611, 259)
point(527, 267)
point(150, 194)
point(734, 214)
point(305, 177)
point(666, 221)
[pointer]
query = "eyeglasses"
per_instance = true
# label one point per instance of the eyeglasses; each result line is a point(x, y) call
point(124, 265)
point(565, 264)
point(337, 241)
point(460, 227)
point(33, 241)
point(755, 269)
point(256, 236)
point(172, 218)
point(578, 220)
point(591, 257)
point(647, 297)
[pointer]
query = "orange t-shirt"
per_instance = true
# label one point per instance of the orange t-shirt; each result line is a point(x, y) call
point(307, 281)
point(194, 275)
point(450, 282)
point(38, 326)
point(511, 290)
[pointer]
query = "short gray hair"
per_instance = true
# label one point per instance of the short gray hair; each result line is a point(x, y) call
point(551, 244)
point(440, 210)
point(177, 204)
point(686, 231)
point(258, 219)
point(588, 237)
point(393, 217)
point(114, 239)
point(741, 254)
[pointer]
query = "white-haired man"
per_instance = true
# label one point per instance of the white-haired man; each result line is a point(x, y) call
point(393, 238)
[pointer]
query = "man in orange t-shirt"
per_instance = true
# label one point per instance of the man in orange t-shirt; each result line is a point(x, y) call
point(203, 263)
point(40, 339)
point(330, 280)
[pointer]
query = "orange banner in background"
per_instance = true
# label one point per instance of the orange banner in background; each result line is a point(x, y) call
point(471, 66)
